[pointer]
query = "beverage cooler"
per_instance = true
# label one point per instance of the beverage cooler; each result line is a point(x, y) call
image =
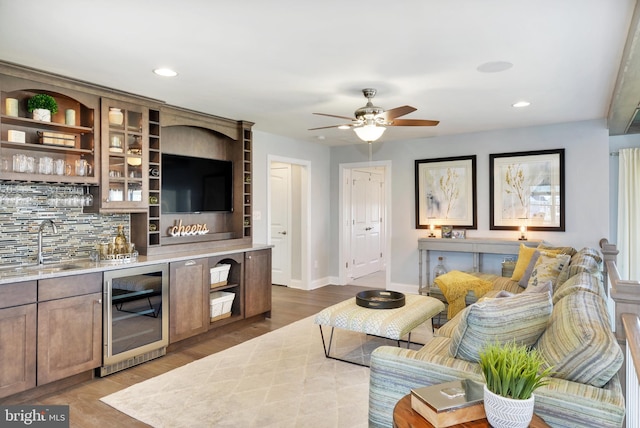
point(136, 323)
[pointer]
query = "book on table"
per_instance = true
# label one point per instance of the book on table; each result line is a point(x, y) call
point(449, 403)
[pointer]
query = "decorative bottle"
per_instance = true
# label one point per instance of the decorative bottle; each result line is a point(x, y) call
point(120, 243)
point(439, 269)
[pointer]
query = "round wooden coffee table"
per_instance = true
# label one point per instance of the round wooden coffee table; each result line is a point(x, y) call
point(405, 417)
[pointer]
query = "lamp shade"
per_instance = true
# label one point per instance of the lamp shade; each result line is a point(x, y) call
point(369, 133)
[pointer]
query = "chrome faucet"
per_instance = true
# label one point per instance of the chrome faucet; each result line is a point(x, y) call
point(40, 229)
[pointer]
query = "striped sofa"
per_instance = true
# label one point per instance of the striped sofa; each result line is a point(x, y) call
point(562, 314)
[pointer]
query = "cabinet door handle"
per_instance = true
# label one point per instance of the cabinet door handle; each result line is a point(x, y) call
point(248, 257)
point(190, 263)
point(99, 301)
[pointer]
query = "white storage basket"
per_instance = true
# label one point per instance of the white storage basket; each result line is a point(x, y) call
point(219, 275)
point(221, 302)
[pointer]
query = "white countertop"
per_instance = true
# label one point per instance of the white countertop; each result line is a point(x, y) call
point(19, 273)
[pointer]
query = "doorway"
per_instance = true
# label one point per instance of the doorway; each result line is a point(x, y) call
point(365, 216)
point(288, 221)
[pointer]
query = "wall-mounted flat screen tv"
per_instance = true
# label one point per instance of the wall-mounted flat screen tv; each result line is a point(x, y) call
point(194, 185)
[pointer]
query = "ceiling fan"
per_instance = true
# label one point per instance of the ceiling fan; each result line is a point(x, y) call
point(370, 121)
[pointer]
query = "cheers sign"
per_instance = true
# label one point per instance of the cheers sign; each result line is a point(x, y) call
point(179, 229)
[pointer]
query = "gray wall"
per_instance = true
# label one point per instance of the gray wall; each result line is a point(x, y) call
point(586, 147)
point(587, 212)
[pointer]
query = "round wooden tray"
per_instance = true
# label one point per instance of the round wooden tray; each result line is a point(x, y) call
point(380, 299)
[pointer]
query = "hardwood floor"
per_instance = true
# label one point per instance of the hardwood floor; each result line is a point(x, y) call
point(288, 305)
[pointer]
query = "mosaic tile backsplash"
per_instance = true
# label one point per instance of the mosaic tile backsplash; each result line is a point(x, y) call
point(23, 207)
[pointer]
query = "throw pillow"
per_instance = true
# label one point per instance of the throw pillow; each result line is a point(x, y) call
point(521, 317)
point(524, 257)
point(524, 281)
point(579, 343)
point(548, 268)
point(560, 250)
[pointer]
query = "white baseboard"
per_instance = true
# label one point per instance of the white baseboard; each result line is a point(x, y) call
point(403, 288)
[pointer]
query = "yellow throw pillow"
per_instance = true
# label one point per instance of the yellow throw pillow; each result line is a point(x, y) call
point(524, 257)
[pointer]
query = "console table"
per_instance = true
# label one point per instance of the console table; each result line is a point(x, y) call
point(475, 246)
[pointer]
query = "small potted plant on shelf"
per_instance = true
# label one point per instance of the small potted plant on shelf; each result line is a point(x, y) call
point(511, 372)
point(42, 106)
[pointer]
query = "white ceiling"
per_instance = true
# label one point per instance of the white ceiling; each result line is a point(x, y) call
point(276, 62)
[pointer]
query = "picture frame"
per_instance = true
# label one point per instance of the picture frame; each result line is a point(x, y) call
point(445, 191)
point(459, 233)
point(447, 231)
point(527, 190)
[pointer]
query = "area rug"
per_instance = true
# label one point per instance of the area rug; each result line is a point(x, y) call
point(280, 379)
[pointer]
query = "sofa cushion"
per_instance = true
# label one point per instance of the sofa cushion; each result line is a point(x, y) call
point(585, 260)
point(521, 317)
point(583, 281)
point(578, 343)
point(524, 281)
point(548, 268)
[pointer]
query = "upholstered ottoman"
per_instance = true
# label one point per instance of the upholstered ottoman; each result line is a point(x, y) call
point(392, 324)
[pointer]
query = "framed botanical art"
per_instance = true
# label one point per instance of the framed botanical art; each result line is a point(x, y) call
point(446, 192)
point(527, 189)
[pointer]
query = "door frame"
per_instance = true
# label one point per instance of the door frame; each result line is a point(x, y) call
point(305, 221)
point(344, 228)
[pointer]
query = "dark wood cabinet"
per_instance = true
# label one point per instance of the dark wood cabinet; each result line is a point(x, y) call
point(69, 326)
point(257, 283)
point(17, 337)
point(188, 299)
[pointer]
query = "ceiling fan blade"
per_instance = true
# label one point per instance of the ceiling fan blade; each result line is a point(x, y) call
point(414, 122)
point(389, 115)
point(332, 126)
point(333, 115)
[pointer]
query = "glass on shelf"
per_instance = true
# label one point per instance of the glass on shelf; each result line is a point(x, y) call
point(134, 121)
point(116, 192)
point(134, 193)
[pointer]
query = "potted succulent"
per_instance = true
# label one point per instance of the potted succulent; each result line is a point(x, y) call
point(512, 372)
point(42, 106)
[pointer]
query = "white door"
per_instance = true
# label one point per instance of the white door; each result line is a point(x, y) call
point(280, 223)
point(366, 219)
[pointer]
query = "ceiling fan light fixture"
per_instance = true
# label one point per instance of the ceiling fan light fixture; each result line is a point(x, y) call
point(369, 133)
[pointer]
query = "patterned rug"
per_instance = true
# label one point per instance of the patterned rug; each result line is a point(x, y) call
point(280, 379)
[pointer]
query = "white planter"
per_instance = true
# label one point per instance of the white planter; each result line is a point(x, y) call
point(505, 412)
point(42, 114)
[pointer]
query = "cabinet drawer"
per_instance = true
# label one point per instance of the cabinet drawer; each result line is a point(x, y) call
point(69, 286)
point(18, 293)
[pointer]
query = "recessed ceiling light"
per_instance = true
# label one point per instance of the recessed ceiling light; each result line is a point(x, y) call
point(344, 127)
point(494, 66)
point(165, 72)
point(521, 104)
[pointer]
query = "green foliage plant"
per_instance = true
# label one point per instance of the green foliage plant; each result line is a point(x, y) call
point(513, 371)
point(42, 101)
